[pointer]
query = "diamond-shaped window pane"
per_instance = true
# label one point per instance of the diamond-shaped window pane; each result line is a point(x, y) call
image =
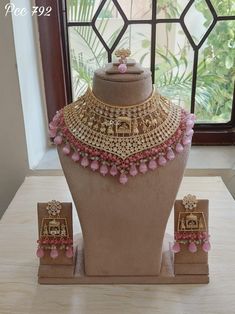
point(224, 7)
point(136, 9)
point(109, 23)
point(173, 64)
point(81, 10)
point(138, 39)
point(170, 9)
point(86, 55)
point(215, 75)
point(198, 19)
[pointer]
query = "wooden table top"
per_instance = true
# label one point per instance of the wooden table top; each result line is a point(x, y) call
point(20, 292)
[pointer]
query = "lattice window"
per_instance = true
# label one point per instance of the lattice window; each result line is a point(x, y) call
point(188, 45)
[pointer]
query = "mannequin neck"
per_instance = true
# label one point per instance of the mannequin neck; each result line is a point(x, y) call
point(122, 89)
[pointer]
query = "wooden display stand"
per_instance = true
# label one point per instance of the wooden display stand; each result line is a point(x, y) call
point(181, 268)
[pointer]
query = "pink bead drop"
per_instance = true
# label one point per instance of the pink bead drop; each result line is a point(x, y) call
point(123, 178)
point(190, 123)
point(53, 125)
point(188, 128)
point(75, 157)
point(52, 133)
point(84, 162)
point(206, 246)
point(192, 116)
point(122, 68)
point(104, 170)
point(56, 117)
point(94, 165)
point(152, 164)
point(170, 154)
point(113, 171)
point(54, 253)
point(176, 247)
point(133, 170)
point(66, 149)
point(162, 161)
point(69, 252)
point(40, 252)
point(143, 167)
point(179, 148)
point(186, 141)
point(190, 132)
point(58, 140)
point(192, 247)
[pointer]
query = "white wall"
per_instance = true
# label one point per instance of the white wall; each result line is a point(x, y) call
point(30, 84)
point(13, 153)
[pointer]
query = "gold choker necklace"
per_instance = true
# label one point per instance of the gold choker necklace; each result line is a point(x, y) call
point(118, 139)
point(122, 130)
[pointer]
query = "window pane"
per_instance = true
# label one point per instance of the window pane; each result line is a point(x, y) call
point(198, 19)
point(170, 9)
point(174, 59)
point(81, 10)
point(216, 74)
point(86, 55)
point(137, 39)
point(109, 23)
point(174, 55)
point(224, 7)
point(137, 10)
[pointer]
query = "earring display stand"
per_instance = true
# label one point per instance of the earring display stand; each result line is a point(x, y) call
point(186, 262)
point(62, 266)
point(181, 268)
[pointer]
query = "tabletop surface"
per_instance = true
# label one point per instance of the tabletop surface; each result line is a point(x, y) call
point(20, 292)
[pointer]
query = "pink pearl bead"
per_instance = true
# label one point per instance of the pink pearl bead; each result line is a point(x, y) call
point(94, 165)
point(170, 154)
point(189, 132)
point(53, 125)
point(190, 123)
point(54, 253)
point(186, 141)
point(143, 167)
point(176, 247)
point(179, 148)
point(123, 178)
point(40, 252)
point(152, 164)
point(58, 140)
point(66, 149)
point(122, 68)
point(85, 162)
point(75, 157)
point(113, 171)
point(162, 161)
point(104, 170)
point(133, 170)
point(206, 246)
point(192, 247)
point(69, 252)
point(56, 116)
point(52, 132)
point(192, 116)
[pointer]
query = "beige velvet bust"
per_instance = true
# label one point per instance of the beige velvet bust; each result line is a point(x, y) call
point(123, 225)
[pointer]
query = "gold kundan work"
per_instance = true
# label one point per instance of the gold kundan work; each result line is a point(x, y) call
point(122, 130)
point(122, 140)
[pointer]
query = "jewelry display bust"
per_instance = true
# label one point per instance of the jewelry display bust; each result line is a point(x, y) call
point(123, 226)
